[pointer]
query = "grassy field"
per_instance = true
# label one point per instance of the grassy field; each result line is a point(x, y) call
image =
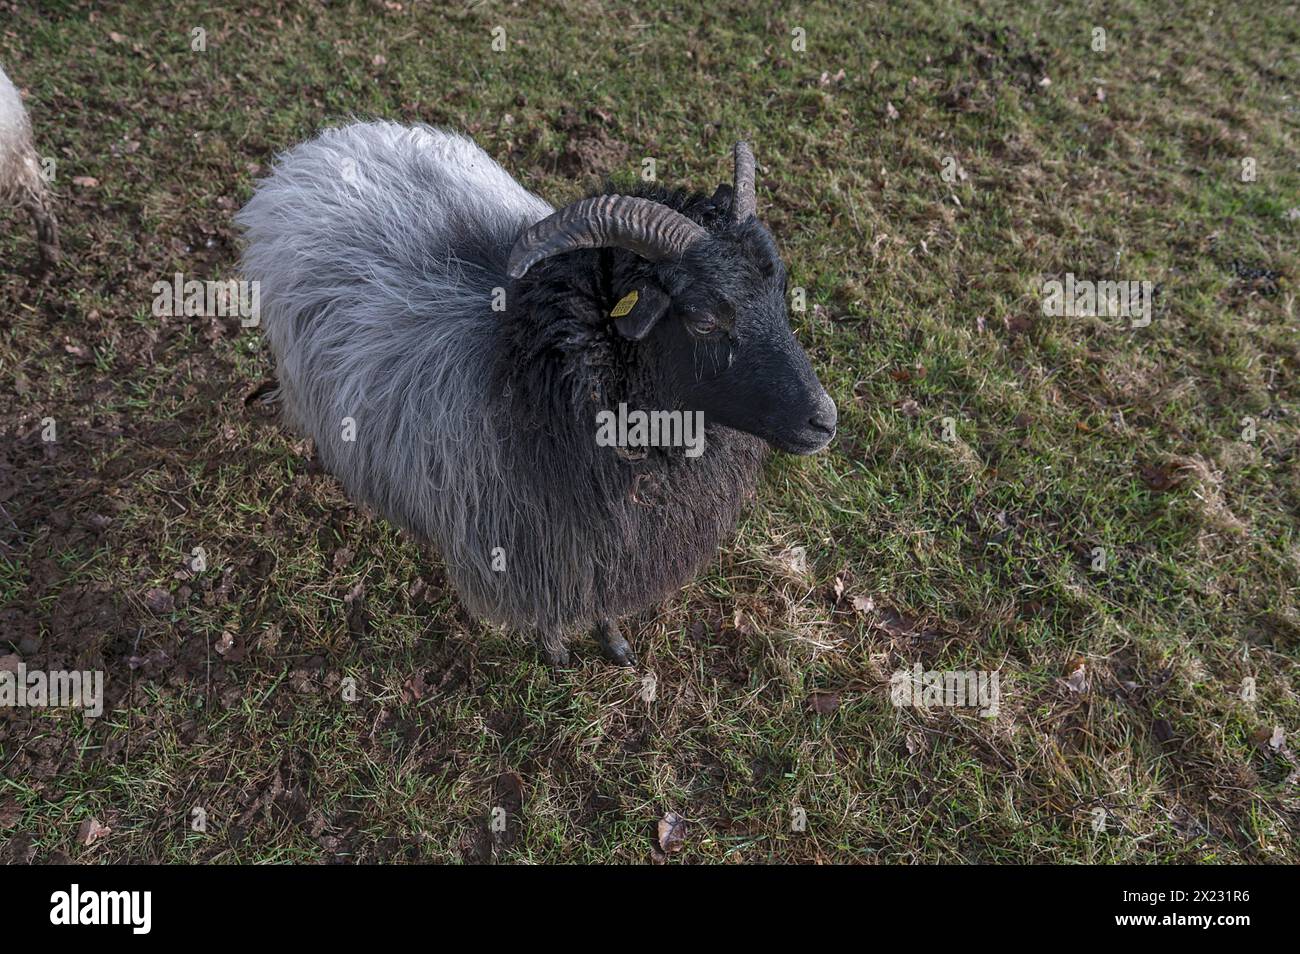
point(925, 168)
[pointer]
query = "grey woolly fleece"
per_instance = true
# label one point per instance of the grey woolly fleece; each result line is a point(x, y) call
point(379, 249)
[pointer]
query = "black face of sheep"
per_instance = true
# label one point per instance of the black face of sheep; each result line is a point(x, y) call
point(729, 344)
point(711, 304)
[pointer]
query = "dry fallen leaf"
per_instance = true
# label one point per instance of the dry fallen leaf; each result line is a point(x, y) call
point(672, 832)
point(1271, 740)
point(1076, 675)
point(414, 688)
point(508, 792)
point(10, 812)
point(91, 831)
point(901, 624)
point(1161, 478)
point(742, 624)
point(1016, 325)
point(649, 688)
point(824, 703)
point(159, 601)
point(795, 560)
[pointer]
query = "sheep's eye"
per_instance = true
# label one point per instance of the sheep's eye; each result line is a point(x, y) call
point(702, 323)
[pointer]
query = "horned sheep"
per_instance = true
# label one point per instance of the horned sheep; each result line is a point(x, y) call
point(454, 345)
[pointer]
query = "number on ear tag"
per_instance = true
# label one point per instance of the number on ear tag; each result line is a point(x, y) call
point(625, 304)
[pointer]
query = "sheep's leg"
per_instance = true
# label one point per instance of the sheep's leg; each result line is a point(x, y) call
point(47, 229)
point(612, 642)
point(551, 643)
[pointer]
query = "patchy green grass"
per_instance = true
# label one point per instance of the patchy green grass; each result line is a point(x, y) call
point(967, 546)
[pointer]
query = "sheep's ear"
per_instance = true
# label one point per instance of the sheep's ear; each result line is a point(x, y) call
point(638, 310)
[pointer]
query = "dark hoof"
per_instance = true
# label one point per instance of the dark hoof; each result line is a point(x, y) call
point(625, 658)
point(615, 647)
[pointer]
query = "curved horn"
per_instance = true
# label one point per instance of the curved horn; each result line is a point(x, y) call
point(650, 229)
point(744, 202)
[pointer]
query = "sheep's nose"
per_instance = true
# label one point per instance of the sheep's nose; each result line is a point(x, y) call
point(825, 416)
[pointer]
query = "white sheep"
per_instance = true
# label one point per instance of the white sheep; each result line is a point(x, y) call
point(21, 182)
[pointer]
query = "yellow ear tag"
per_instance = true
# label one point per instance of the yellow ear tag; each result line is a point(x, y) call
point(625, 304)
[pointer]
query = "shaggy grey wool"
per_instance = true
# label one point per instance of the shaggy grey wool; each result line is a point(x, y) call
point(380, 251)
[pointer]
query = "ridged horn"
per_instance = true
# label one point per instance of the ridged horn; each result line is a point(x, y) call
point(650, 229)
point(744, 202)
